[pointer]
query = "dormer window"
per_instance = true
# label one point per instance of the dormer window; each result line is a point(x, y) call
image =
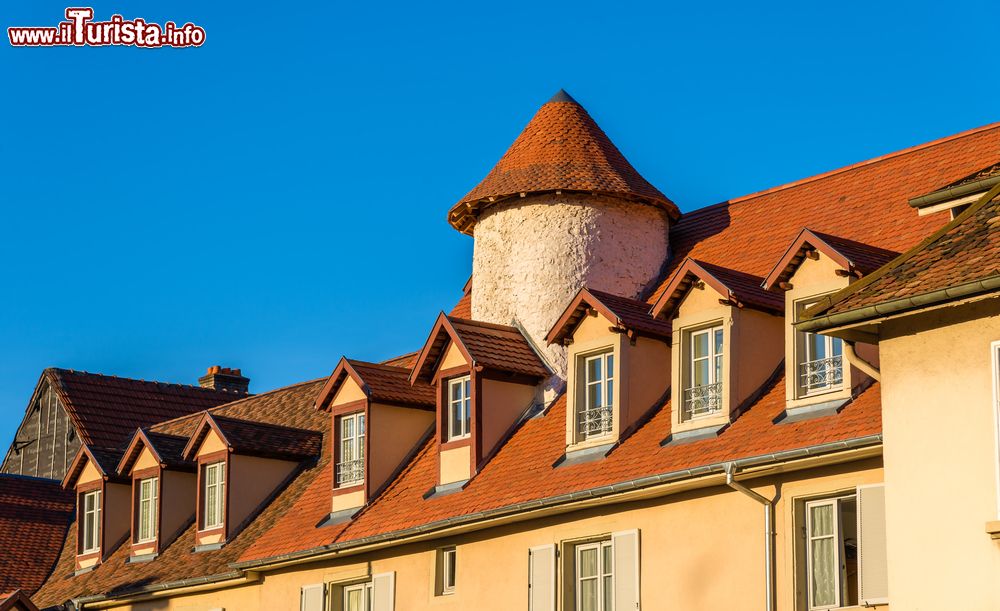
point(146, 508)
point(703, 393)
point(351, 462)
point(90, 522)
point(821, 363)
point(459, 408)
point(213, 495)
point(595, 415)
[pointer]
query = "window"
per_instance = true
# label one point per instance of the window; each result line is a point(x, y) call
point(351, 463)
point(358, 597)
point(213, 494)
point(832, 552)
point(595, 577)
point(703, 394)
point(146, 522)
point(820, 361)
point(91, 522)
point(446, 558)
point(459, 401)
point(595, 413)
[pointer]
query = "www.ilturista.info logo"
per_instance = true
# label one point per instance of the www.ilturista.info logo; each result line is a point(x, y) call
point(80, 30)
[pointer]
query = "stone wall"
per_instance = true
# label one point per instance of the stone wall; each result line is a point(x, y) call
point(532, 255)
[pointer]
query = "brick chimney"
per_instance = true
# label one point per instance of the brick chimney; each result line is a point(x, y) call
point(225, 378)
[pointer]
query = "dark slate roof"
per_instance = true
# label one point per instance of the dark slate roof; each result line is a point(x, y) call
point(34, 516)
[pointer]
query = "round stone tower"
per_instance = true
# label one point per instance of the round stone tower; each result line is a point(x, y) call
point(561, 210)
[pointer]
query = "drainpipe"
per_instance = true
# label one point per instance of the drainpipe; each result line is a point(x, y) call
point(860, 363)
point(768, 533)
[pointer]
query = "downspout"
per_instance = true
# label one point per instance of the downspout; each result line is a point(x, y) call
point(860, 363)
point(768, 533)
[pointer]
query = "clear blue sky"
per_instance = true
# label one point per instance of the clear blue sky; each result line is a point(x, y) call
point(277, 197)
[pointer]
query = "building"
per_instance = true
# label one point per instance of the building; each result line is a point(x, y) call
point(629, 407)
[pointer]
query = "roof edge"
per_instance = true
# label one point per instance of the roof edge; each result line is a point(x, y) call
point(943, 195)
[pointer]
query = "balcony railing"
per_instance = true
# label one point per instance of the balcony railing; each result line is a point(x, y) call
point(702, 401)
point(821, 374)
point(350, 471)
point(594, 422)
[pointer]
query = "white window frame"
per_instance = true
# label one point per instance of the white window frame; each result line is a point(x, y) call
point(356, 443)
point(464, 402)
point(803, 346)
point(367, 593)
point(605, 385)
point(834, 502)
point(449, 573)
point(214, 517)
point(91, 519)
point(147, 509)
point(995, 358)
point(715, 376)
point(603, 573)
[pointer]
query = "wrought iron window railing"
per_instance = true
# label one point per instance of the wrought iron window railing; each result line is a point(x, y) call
point(350, 471)
point(595, 421)
point(701, 401)
point(821, 374)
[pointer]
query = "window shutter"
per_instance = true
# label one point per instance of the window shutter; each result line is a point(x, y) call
point(313, 598)
point(874, 582)
point(384, 592)
point(542, 578)
point(626, 551)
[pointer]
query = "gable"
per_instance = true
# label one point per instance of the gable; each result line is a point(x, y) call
point(592, 328)
point(146, 460)
point(452, 358)
point(699, 299)
point(89, 473)
point(211, 444)
point(817, 276)
point(348, 392)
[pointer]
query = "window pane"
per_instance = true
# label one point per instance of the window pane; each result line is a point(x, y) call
point(823, 567)
point(699, 345)
point(456, 419)
point(588, 563)
point(611, 365)
point(588, 595)
point(593, 395)
point(821, 517)
point(608, 560)
point(718, 341)
point(718, 369)
point(354, 599)
point(456, 391)
point(594, 369)
point(611, 393)
point(466, 420)
point(700, 373)
point(361, 424)
point(836, 346)
point(210, 474)
point(817, 346)
point(608, 594)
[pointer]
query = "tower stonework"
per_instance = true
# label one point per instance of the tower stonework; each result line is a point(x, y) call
point(563, 209)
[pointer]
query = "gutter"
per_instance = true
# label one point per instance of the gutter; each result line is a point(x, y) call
point(860, 363)
point(644, 487)
point(173, 588)
point(768, 533)
point(860, 315)
point(979, 186)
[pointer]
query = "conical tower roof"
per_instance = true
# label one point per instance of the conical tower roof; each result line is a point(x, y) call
point(561, 149)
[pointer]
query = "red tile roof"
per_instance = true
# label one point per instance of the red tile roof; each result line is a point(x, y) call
point(629, 314)
point(494, 346)
point(16, 601)
point(561, 149)
point(34, 516)
point(739, 287)
point(523, 469)
point(252, 438)
point(865, 202)
point(167, 449)
point(107, 409)
point(850, 255)
point(965, 252)
point(381, 383)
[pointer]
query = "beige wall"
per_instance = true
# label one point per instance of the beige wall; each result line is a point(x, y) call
point(348, 392)
point(178, 496)
point(211, 443)
point(455, 464)
point(146, 460)
point(392, 434)
point(503, 404)
point(89, 474)
point(453, 357)
point(700, 549)
point(117, 514)
point(251, 480)
point(940, 458)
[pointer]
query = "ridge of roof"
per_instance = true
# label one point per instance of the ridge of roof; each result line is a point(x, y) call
point(853, 166)
point(91, 374)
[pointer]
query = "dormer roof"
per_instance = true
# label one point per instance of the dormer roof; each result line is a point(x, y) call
point(629, 315)
point(255, 438)
point(739, 288)
point(852, 256)
point(168, 450)
point(482, 344)
point(380, 383)
point(105, 460)
point(561, 149)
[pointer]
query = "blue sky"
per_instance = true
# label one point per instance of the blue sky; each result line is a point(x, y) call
point(276, 198)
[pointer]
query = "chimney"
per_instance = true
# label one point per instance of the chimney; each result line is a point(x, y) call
point(225, 378)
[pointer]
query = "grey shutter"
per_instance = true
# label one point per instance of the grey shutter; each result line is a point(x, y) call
point(384, 592)
point(873, 580)
point(542, 578)
point(313, 598)
point(625, 545)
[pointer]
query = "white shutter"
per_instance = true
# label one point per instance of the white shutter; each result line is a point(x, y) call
point(542, 578)
point(313, 598)
point(626, 551)
point(873, 580)
point(384, 592)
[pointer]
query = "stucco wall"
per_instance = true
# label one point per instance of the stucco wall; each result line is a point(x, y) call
point(940, 458)
point(700, 549)
point(392, 434)
point(503, 404)
point(251, 480)
point(532, 256)
point(178, 499)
